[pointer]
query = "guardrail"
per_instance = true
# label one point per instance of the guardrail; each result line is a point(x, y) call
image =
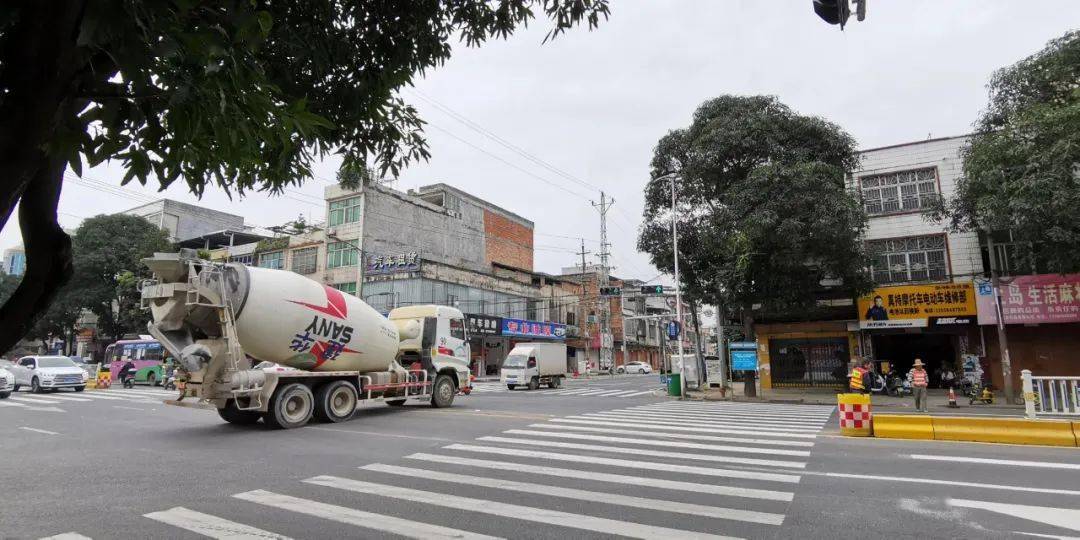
point(1050, 396)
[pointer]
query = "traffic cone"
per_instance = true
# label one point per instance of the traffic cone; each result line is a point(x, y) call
point(952, 398)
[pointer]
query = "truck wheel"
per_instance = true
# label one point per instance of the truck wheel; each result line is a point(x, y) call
point(534, 383)
point(236, 416)
point(555, 382)
point(335, 401)
point(511, 386)
point(291, 407)
point(443, 392)
point(5, 395)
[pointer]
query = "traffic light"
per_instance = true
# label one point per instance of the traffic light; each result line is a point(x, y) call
point(833, 11)
point(652, 289)
point(610, 291)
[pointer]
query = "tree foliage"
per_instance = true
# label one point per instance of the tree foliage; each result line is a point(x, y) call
point(1022, 166)
point(763, 215)
point(242, 94)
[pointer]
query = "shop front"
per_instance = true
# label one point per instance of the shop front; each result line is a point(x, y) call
point(492, 338)
point(804, 354)
point(935, 323)
point(1042, 322)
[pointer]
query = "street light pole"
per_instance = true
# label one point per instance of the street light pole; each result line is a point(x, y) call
point(678, 291)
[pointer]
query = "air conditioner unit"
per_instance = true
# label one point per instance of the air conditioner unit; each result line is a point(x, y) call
point(331, 232)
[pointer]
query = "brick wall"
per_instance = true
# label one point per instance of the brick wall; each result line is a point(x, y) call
point(507, 241)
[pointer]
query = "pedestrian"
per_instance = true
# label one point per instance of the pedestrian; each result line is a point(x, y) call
point(918, 385)
point(948, 378)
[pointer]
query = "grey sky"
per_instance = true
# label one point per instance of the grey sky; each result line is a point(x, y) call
point(593, 104)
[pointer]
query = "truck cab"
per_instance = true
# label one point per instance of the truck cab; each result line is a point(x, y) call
point(433, 338)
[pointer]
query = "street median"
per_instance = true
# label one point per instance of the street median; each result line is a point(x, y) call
point(977, 429)
point(901, 426)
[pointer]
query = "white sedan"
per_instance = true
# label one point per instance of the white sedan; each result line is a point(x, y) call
point(43, 373)
point(7, 381)
point(635, 367)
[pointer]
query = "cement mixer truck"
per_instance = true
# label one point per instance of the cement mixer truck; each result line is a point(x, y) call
point(219, 319)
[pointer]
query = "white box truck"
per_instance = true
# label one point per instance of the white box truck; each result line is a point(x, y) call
point(533, 364)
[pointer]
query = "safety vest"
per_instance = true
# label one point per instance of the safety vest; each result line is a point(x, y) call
point(857, 378)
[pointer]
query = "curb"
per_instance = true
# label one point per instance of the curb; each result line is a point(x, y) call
point(978, 429)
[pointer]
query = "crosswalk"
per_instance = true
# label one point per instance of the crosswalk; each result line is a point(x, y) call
point(56, 401)
point(592, 391)
point(637, 472)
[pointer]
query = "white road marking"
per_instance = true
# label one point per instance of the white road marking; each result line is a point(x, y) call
point(643, 452)
point(718, 512)
point(772, 421)
point(732, 409)
point(34, 400)
point(728, 414)
point(368, 520)
point(952, 483)
point(9, 403)
point(99, 395)
point(211, 526)
point(36, 430)
point(69, 398)
point(669, 444)
point(764, 494)
point(151, 393)
point(495, 508)
point(669, 427)
point(627, 463)
point(685, 436)
point(747, 405)
point(640, 393)
point(128, 408)
point(67, 536)
point(1053, 536)
point(730, 424)
point(1066, 518)
point(1009, 462)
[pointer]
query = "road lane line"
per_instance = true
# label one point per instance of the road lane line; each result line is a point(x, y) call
point(718, 512)
point(728, 416)
point(1066, 518)
point(745, 430)
point(36, 430)
point(211, 526)
point(669, 444)
point(733, 423)
point(38, 401)
point(952, 483)
point(513, 511)
point(640, 393)
point(632, 464)
point(684, 436)
point(69, 398)
point(644, 452)
point(359, 518)
point(735, 412)
point(98, 395)
point(8, 403)
point(1009, 462)
point(795, 409)
point(129, 408)
point(675, 485)
point(67, 536)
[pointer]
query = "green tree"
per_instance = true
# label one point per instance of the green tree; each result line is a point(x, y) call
point(108, 270)
point(764, 218)
point(1022, 166)
point(242, 94)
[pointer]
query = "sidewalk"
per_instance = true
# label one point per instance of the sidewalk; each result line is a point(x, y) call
point(937, 401)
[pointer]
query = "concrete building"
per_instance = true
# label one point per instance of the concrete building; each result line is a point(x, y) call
point(185, 221)
point(15, 261)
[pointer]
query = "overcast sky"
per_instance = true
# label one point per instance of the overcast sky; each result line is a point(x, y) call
point(593, 104)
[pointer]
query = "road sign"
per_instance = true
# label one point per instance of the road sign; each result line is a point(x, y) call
point(652, 289)
point(610, 291)
point(743, 356)
point(673, 330)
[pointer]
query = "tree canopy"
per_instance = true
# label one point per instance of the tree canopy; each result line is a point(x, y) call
point(763, 214)
point(1022, 166)
point(241, 94)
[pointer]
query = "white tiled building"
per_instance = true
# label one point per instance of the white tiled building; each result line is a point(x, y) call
point(895, 184)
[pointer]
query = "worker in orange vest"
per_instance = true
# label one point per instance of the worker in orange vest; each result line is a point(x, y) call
point(859, 381)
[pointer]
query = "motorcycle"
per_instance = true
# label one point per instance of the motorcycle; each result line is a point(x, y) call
point(127, 379)
point(170, 380)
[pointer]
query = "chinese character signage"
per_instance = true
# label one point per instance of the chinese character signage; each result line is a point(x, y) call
point(915, 306)
point(520, 328)
point(391, 264)
point(483, 325)
point(1042, 298)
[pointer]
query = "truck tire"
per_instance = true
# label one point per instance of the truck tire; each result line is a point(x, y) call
point(442, 394)
point(233, 415)
point(534, 383)
point(335, 401)
point(554, 382)
point(5, 395)
point(290, 407)
point(511, 386)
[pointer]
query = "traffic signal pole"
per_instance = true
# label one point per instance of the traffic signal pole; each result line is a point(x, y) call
point(678, 290)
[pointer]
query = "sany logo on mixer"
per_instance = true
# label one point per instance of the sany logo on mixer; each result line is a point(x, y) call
point(335, 335)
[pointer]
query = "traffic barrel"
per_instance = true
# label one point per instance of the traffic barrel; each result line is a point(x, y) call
point(856, 420)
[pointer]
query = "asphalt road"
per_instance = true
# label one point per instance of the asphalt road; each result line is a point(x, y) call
point(594, 459)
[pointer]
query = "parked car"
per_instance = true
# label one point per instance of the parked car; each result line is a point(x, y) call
point(634, 367)
point(43, 373)
point(7, 380)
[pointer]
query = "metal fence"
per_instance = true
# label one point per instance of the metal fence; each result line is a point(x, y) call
point(807, 363)
point(1050, 396)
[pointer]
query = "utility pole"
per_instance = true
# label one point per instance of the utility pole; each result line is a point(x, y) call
point(583, 319)
point(678, 290)
point(721, 349)
point(607, 356)
point(1003, 342)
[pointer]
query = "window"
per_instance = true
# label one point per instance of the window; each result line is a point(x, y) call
point(340, 254)
point(304, 261)
point(570, 318)
point(245, 260)
point(347, 288)
point(900, 260)
point(344, 211)
point(901, 191)
point(457, 328)
point(272, 259)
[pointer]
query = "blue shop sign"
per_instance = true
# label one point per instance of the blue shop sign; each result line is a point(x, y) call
point(522, 328)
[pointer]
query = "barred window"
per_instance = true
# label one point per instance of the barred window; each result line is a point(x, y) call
point(347, 288)
point(340, 254)
point(272, 259)
point(901, 191)
point(344, 211)
point(902, 260)
point(305, 261)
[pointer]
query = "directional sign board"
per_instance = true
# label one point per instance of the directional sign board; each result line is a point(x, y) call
point(743, 356)
point(652, 289)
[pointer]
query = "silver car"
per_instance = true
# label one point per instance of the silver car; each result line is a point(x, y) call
point(7, 380)
point(43, 373)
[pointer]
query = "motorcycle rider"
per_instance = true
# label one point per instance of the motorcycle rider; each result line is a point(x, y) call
point(126, 371)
